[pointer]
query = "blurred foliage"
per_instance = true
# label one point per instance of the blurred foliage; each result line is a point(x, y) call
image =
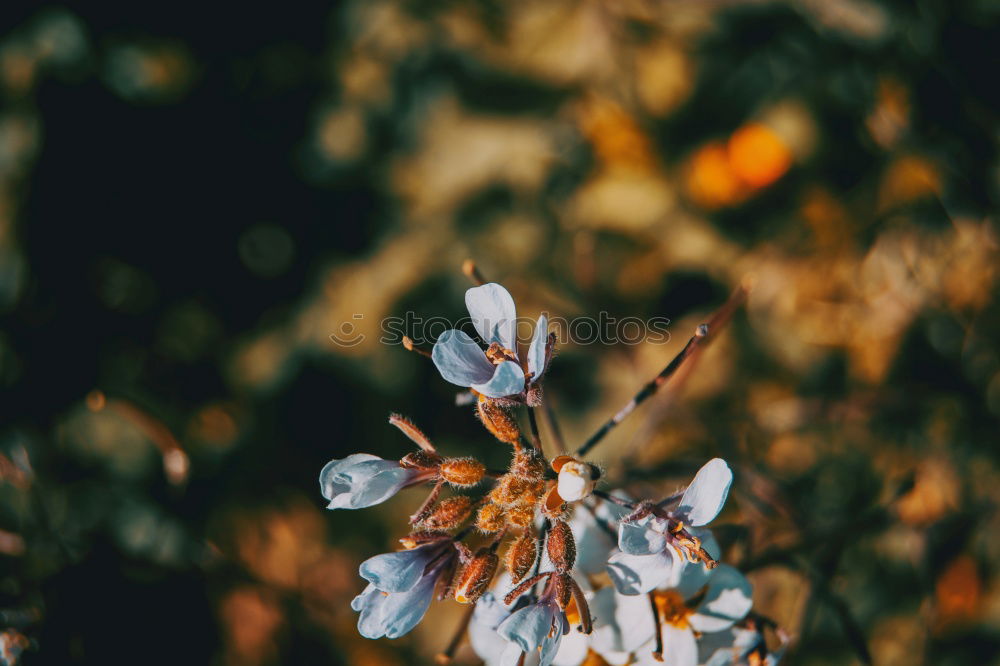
point(192, 204)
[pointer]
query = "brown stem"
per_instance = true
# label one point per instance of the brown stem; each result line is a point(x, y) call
point(409, 345)
point(702, 333)
point(523, 587)
point(472, 272)
point(536, 439)
point(425, 508)
point(658, 652)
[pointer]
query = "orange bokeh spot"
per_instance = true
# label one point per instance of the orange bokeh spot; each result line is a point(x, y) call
point(757, 155)
point(711, 181)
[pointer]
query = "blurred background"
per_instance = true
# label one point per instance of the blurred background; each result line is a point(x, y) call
point(192, 203)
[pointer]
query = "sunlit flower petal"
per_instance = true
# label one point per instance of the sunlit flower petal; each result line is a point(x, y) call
point(704, 498)
point(362, 480)
point(536, 352)
point(728, 600)
point(640, 539)
point(401, 570)
point(638, 574)
point(727, 648)
point(493, 314)
point(460, 360)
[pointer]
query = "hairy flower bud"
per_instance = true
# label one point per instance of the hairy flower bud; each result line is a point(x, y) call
point(420, 459)
point(511, 490)
point(449, 513)
point(490, 518)
point(498, 420)
point(476, 576)
point(561, 546)
point(462, 472)
point(563, 589)
point(521, 515)
point(528, 464)
point(521, 557)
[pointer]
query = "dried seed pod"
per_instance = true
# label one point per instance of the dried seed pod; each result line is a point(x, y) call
point(462, 472)
point(528, 464)
point(553, 505)
point(421, 459)
point(521, 557)
point(491, 518)
point(563, 589)
point(449, 513)
point(561, 546)
point(521, 515)
point(498, 420)
point(476, 576)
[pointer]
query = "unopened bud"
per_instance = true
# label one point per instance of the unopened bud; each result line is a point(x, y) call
point(421, 459)
point(490, 518)
point(511, 490)
point(563, 589)
point(414, 539)
point(521, 557)
point(449, 513)
point(528, 464)
point(462, 472)
point(498, 420)
point(561, 546)
point(576, 478)
point(476, 576)
point(521, 515)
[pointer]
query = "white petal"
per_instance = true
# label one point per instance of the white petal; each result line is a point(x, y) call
point(572, 650)
point(728, 600)
point(492, 310)
point(508, 379)
point(640, 539)
point(679, 646)
point(638, 574)
point(575, 481)
point(536, 352)
point(703, 499)
point(460, 360)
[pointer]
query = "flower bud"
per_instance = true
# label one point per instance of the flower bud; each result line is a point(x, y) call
point(449, 513)
point(420, 459)
point(512, 490)
point(563, 589)
point(462, 472)
point(491, 518)
point(576, 479)
point(528, 464)
point(521, 515)
point(414, 539)
point(498, 420)
point(476, 576)
point(561, 546)
point(521, 557)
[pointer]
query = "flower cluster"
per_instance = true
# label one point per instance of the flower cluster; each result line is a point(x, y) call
point(554, 569)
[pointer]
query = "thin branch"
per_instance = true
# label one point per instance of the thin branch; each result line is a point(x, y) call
point(701, 335)
point(536, 439)
point(608, 497)
point(472, 272)
point(446, 655)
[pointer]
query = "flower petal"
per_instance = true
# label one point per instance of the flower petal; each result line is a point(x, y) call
point(727, 648)
point(529, 626)
point(536, 352)
point(640, 539)
point(622, 623)
point(728, 600)
point(638, 574)
point(703, 499)
point(398, 571)
point(460, 360)
point(679, 646)
point(493, 314)
point(508, 379)
point(361, 480)
point(404, 611)
point(336, 476)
